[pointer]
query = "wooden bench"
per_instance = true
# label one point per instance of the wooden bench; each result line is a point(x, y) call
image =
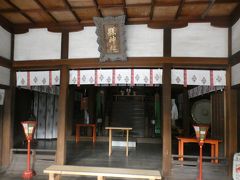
point(101, 172)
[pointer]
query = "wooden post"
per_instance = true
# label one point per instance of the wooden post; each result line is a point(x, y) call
point(62, 116)
point(230, 120)
point(65, 45)
point(166, 97)
point(8, 119)
point(186, 113)
point(167, 39)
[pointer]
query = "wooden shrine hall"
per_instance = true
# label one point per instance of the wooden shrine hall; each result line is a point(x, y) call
point(117, 89)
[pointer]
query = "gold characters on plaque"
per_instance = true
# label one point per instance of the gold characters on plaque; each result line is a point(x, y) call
point(111, 40)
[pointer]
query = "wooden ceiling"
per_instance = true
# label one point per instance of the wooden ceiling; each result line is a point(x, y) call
point(75, 14)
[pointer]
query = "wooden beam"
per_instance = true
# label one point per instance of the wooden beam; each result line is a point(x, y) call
point(223, 21)
point(21, 12)
point(5, 62)
point(64, 45)
point(97, 6)
point(8, 120)
point(62, 117)
point(166, 134)
point(72, 11)
point(167, 42)
point(45, 9)
point(235, 59)
point(179, 12)
point(196, 62)
point(230, 120)
point(205, 13)
point(6, 24)
point(61, 27)
point(235, 15)
point(153, 2)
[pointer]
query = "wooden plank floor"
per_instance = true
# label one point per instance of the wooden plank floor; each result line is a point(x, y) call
point(145, 156)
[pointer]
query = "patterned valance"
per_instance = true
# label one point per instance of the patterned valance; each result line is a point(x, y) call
point(116, 77)
point(38, 78)
point(130, 77)
point(199, 77)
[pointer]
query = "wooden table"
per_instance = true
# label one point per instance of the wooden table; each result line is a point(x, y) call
point(78, 127)
point(214, 147)
point(127, 129)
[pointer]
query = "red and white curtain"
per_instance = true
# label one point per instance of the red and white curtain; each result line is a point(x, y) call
point(38, 78)
point(116, 77)
point(199, 77)
point(130, 77)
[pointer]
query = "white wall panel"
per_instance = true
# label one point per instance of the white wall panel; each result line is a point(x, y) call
point(236, 37)
point(37, 44)
point(4, 76)
point(141, 42)
point(236, 74)
point(200, 40)
point(83, 44)
point(5, 43)
point(144, 42)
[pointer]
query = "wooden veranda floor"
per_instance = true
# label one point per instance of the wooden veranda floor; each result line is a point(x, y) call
point(144, 156)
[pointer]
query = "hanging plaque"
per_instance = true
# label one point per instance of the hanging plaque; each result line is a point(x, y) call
point(111, 38)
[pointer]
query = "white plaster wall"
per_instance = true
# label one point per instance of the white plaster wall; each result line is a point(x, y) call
point(37, 44)
point(200, 40)
point(4, 76)
point(236, 37)
point(141, 42)
point(83, 44)
point(144, 42)
point(5, 43)
point(236, 74)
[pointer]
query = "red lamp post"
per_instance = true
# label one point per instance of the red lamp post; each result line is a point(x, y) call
point(201, 133)
point(28, 127)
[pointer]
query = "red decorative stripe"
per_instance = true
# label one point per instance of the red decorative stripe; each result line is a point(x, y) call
point(211, 78)
point(28, 78)
point(78, 78)
point(132, 77)
point(113, 77)
point(96, 77)
point(50, 79)
point(185, 77)
point(151, 77)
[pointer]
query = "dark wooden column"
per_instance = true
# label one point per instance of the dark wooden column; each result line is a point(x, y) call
point(167, 42)
point(186, 113)
point(62, 116)
point(64, 45)
point(167, 142)
point(8, 114)
point(8, 119)
point(230, 110)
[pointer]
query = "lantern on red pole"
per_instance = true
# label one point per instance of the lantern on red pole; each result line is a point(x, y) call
point(29, 128)
point(201, 133)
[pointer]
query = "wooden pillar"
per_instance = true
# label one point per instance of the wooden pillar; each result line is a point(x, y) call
point(8, 119)
point(186, 113)
point(167, 139)
point(230, 120)
point(167, 45)
point(65, 45)
point(8, 114)
point(62, 117)
point(70, 121)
